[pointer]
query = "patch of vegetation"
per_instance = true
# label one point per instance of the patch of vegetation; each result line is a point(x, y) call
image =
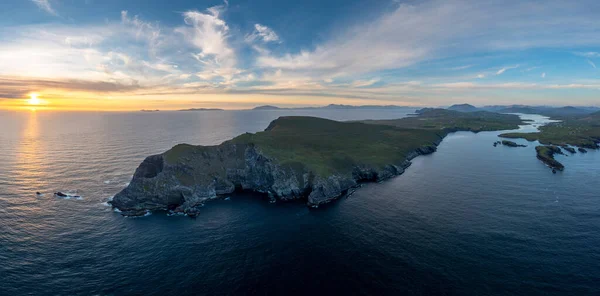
point(578, 131)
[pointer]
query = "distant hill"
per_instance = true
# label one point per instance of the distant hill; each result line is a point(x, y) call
point(202, 109)
point(463, 108)
point(266, 107)
point(567, 111)
point(330, 106)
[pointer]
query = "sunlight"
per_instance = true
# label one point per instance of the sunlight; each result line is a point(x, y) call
point(33, 99)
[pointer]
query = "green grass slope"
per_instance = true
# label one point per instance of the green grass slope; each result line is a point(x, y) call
point(326, 146)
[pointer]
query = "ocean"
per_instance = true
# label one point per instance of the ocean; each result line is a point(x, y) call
point(470, 219)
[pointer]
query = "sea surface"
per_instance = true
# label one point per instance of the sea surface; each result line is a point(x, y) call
point(470, 219)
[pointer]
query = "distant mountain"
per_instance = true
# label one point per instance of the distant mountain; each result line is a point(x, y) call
point(330, 106)
point(145, 110)
point(519, 109)
point(202, 109)
point(337, 106)
point(567, 111)
point(463, 108)
point(266, 107)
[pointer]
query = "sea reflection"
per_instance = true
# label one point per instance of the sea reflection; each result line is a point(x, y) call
point(29, 160)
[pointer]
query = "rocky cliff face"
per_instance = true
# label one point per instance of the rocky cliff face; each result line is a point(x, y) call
point(186, 176)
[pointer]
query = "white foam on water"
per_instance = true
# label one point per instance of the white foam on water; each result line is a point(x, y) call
point(107, 182)
point(117, 210)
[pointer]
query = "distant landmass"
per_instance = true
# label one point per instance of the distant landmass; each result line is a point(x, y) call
point(556, 112)
point(330, 106)
point(266, 107)
point(144, 110)
point(463, 108)
point(202, 109)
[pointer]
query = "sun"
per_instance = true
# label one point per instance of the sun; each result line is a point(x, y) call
point(33, 100)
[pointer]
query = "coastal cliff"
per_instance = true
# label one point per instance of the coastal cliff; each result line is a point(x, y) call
point(288, 161)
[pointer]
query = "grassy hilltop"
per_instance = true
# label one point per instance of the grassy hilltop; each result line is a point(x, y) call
point(326, 146)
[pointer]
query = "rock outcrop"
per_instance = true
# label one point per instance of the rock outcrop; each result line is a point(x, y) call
point(546, 155)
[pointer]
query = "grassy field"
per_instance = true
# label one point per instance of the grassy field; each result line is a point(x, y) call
point(581, 131)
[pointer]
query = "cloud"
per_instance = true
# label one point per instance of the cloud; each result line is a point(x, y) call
point(462, 67)
point(209, 33)
point(501, 71)
point(591, 63)
point(263, 33)
point(544, 75)
point(480, 76)
point(19, 87)
point(46, 6)
point(435, 29)
point(589, 54)
point(143, 30)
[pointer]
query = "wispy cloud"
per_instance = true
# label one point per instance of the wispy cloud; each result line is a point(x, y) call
point(46, 6)
point(480, 76)
point(461, 67)
point(263, 33)
point(591, 63)
point(543, 75)
point(588, 54)
point(501, 71)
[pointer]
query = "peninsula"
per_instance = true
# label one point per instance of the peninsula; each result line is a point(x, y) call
point(295, 158)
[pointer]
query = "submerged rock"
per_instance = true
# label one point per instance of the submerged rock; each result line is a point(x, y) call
point(582, 150)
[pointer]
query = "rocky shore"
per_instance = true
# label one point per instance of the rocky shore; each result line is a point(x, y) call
point(228, 168)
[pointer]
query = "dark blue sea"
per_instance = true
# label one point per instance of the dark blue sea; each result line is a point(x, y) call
point(470, 219)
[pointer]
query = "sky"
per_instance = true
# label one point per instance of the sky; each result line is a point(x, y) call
point(151, 54)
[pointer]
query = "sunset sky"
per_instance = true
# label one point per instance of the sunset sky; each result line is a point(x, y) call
point(136, 54)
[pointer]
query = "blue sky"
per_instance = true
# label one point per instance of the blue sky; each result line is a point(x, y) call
point(237, 54)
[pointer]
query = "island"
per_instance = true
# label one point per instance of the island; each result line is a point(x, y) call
point(202, 109)
point(511, 144)
point(546, 155)
point(295, 158)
